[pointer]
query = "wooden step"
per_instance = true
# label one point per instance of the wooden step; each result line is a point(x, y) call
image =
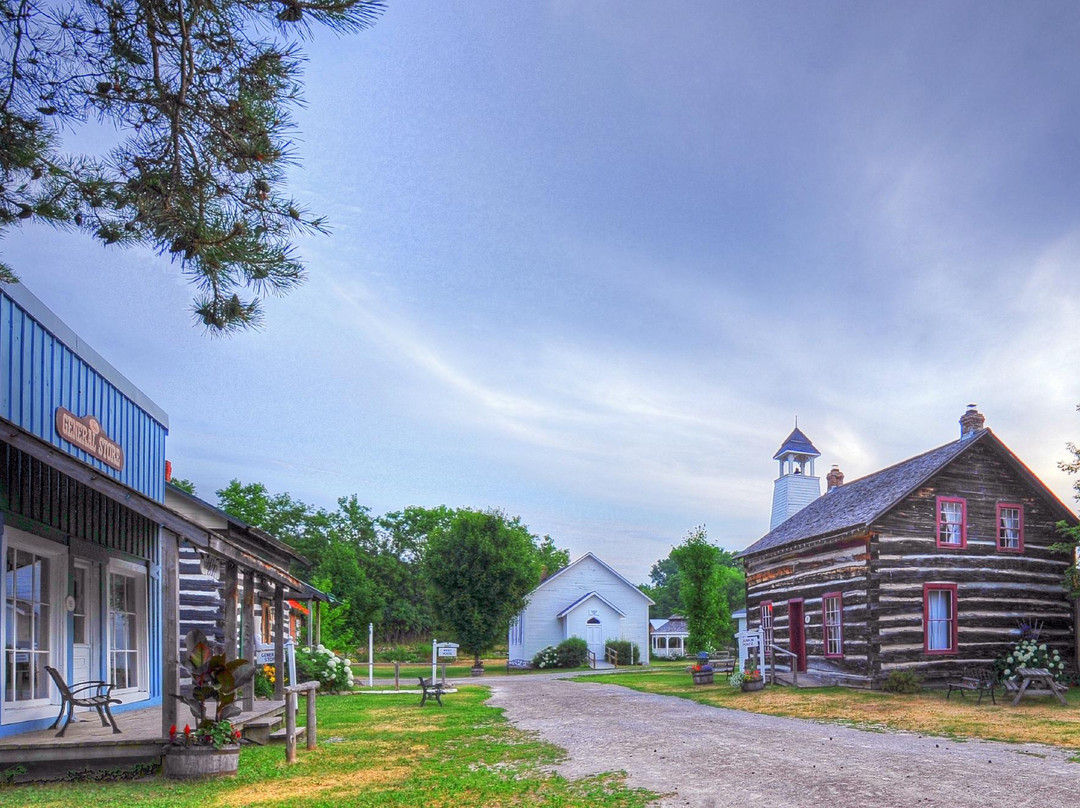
point(258, 730)
point(279, 736)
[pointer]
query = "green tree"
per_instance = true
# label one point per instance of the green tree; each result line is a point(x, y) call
point(665, 589)
point(480, 567)
point(551, 558)
point(184, 485)
point(200, 94)
point(708, 617)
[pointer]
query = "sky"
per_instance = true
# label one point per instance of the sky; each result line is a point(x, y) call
point(590, 260)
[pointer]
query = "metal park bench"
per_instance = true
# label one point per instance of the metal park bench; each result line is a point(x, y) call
point(84, 694)
point(433, 691)
point(976, 680)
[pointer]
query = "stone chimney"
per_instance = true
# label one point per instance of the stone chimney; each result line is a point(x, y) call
point(971, 422)
point(834, 479)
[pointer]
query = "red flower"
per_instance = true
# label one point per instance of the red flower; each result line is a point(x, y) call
point(187, 729)
point(172, 731)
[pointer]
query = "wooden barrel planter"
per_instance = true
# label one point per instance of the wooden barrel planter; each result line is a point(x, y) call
point(703, 677)
point(476, 670)
point(193, 762)
point(750, 685)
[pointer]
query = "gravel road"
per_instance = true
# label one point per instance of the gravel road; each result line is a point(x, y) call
point(699, 756)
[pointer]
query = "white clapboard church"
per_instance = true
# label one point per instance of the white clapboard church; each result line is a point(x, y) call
point(586, 599)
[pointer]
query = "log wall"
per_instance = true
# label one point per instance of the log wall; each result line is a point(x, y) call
point(996, 591)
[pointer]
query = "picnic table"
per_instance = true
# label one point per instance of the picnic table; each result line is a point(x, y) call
point(1037, 682)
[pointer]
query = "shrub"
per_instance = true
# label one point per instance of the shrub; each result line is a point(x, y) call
point(736, 678)
point(626, 650)
point(334, 673)
point(546, 658)
point(1030, 654)
point(264, 681)
point(417, 652)
point(572, 652)
point(902, 682)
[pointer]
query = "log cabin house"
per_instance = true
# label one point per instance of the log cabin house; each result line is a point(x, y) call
point(930, 565)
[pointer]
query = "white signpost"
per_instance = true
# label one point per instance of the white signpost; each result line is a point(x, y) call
point(751, 639)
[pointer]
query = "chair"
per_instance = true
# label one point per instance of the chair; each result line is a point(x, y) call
point(82, 695)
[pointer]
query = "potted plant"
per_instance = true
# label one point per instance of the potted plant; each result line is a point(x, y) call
point(752, 679)
point(212, 746)
point(702, 673)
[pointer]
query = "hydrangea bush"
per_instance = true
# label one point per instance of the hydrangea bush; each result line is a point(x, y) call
point(1030, 654)
point(546, 658)
point(333, 672)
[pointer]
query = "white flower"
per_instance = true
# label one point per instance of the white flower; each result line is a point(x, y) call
point(1007, 672)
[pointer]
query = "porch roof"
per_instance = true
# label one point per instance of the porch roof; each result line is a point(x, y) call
point(208, 541)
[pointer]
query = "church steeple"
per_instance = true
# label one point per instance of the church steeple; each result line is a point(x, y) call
point(797, 486)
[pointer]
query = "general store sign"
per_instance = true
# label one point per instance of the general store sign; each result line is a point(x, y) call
point(86, 433)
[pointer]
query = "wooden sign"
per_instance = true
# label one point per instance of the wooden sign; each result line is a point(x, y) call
point(85, 433)
point(749, 640)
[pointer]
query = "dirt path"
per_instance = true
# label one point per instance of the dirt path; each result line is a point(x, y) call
point(707, 756)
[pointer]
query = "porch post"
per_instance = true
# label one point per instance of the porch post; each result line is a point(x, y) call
point(170, 628)
point(249, 635)
point(229, 605)
point(279, 641)
point(311, 626)
point(318, 622)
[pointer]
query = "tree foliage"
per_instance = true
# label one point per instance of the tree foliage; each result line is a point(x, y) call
point(480, 567)
point(665, 586)
point(200, 93)
point(703, 585)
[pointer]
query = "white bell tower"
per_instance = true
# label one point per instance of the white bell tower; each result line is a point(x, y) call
point(796, 487)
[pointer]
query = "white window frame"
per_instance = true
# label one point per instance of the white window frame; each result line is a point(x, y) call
point(120, 567)
point(16, 712)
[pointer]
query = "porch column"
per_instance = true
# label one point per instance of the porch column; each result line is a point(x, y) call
point(170, 628)
point(318, 622)
point(229, 604)
point(311, 626)
point(249, 635)
point(279, 641)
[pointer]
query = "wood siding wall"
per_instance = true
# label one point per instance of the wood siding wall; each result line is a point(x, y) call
point(996, 591)
point(839, 566)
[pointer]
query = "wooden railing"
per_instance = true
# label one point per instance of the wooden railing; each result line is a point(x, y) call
point(611, 655)
point(291, 697)
point(590, 657)
point(776, 649)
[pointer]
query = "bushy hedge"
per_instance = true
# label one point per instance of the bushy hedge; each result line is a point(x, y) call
point(902, 682)
point(626, 650)
point(571, 653)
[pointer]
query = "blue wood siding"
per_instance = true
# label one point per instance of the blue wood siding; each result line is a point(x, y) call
point(39, 373)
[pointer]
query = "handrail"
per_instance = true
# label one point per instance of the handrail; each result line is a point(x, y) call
point(292, 693)
point(611, 655)
point(794, 665)
point(590, 657)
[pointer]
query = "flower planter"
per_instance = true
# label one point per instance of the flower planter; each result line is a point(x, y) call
point(703, 677)
point(750, 685)
point(477, 670)
point(190, 762)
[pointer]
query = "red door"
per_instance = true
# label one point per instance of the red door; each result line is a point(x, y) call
point(798, 632)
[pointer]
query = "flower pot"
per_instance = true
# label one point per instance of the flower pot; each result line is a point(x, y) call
point(477, 670)
point(749, 685)
point(702, 677)
point(189, 762)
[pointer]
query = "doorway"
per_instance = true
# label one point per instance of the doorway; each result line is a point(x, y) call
point(85, 622)
point(594, 637)
point(797, 629)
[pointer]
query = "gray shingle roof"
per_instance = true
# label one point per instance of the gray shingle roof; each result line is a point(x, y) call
point(797, 442)
point(860, 502)
point(674, 626)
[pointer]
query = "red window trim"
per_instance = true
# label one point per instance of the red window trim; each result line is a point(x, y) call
point(963, 523)
point(825, 625)
point(997, 517)
point(951, 651)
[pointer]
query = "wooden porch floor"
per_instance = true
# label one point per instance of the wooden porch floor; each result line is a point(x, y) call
point(88, 744)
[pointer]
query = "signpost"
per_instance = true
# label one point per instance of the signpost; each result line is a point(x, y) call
point(370, 654)
point(434, 654)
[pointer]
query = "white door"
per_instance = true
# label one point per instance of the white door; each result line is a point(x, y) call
point(594, 638)
point(85, 662)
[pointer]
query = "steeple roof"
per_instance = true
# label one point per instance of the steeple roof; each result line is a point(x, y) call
point(797, 443)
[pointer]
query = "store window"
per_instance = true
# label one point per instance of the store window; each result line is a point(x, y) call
point(127, 628)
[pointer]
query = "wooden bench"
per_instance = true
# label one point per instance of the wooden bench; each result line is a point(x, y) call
point(1035, 682)
point(432, 691)
point(518, 665)
point(976, 680)
point(724, 664)
point(95, 694)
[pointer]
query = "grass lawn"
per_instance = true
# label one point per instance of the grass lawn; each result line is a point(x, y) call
point(1041, 720)
point(373, 751)
point(410, 671)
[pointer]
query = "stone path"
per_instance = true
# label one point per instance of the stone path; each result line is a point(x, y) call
point(701, 756)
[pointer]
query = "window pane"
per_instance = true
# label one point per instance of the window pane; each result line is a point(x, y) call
point(132, 668)
point(22, 675)
point(41, 676)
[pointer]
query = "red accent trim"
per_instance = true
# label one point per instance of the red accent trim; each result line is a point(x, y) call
point(963, 523)
point(797, 628)
point(298, 607)
point(825, 624)
point(997, 514)
point(927, 588)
